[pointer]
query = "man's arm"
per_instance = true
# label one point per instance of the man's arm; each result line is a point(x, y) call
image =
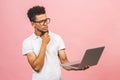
point(37, 62)
point(63, 58)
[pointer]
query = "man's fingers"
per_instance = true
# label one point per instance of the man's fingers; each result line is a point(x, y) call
point(84, 68)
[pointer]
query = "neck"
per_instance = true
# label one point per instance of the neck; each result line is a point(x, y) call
point(38, 33)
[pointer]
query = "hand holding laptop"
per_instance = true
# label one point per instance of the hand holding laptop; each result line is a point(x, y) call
point(84, 68)
point(91, 58)
point(70, 68)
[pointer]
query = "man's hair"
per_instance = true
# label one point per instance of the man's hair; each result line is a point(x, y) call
point(35, 10)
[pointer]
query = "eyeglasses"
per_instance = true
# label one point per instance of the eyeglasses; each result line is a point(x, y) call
point(43, 22)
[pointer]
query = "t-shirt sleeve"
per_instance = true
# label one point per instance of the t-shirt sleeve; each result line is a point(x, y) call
point(61, 44)
point(26, 47)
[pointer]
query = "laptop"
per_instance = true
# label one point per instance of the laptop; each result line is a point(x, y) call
point(91, 58)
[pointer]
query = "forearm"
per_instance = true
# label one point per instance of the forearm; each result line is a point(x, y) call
point(39, 61)
point(64, 61)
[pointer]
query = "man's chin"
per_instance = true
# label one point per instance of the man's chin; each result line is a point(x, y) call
point(45, 31)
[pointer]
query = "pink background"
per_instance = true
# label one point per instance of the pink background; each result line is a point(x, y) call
point(81, 23)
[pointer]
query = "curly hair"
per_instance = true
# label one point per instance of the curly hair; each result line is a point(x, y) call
point(35, 10)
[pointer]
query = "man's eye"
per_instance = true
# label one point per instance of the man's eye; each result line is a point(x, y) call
point(42, 21)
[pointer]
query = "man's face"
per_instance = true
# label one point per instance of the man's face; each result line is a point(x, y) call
point(41, 23)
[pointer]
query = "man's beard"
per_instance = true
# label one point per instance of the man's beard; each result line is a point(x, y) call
point(42, 32)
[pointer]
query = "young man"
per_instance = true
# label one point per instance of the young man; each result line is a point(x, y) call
point(44, 49)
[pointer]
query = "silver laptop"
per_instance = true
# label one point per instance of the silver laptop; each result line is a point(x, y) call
point(91, 58)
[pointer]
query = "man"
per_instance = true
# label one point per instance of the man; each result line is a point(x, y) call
point(44, 48)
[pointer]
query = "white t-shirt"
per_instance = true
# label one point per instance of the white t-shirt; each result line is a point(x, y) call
point(51, 68)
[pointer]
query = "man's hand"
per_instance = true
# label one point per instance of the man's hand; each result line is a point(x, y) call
point(84, 68)
point(45, 38)
point(70, 69)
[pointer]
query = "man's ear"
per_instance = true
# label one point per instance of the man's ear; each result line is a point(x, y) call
point(33, 24)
